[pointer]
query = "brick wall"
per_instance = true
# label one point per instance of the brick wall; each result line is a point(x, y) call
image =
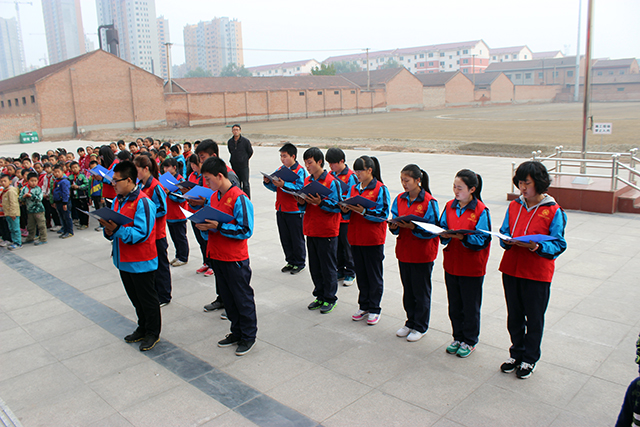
point(404, 92)
point(26, 102)
point(536, 93)
point(459, 90)
point(433, 96)
point(11, 125)
point(501, 90)
point(611, 92)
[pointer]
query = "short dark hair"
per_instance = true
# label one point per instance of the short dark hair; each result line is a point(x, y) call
point(315, 154)
point(335, 155)
point(4, 175)
point(48, 165)
point(538, 173)
point(32, 175)
point(124, 155)
point(90, 163)
point(127, 170)
point(236, 126)
point(290, 149)
point(209, 146)
point(170, 162)
point(74, 163)
point(194, 159)
point(133, 144)
point(80, 149)
point(57, 166)
point(214, 166)
point(187, 144)
point(166, 145)
point(175, 148)
point(121, 142)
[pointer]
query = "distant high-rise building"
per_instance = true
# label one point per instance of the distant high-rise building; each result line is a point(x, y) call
point(163, 37)
point(212, 45)
point(135, 21)
point(10, 62)
point(63, 26)
point(89, 44)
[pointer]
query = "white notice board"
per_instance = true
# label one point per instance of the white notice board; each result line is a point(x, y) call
point(602, 128)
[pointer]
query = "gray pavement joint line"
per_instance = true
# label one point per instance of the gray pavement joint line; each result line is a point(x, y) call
point(7, 417)
point(231, 392)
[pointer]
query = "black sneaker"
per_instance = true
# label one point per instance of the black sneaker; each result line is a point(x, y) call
point(215, 305)
point(223, 315)
point(286, 268)
point(327, 307)
point(509, 365)
point(316, 304)
point(135, 336)
point(149, 342)
point(525, 370)
point(244, 347)
point(229, 340)
point(295, 269)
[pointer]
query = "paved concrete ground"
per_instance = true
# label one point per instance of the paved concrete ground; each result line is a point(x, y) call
point(63, 312)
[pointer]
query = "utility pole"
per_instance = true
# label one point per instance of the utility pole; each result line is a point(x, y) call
point(587, 86)
point(368, 71)
point(168, 47)
point(576, 95)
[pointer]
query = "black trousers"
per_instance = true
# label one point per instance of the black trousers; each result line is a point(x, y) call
point(80, 203)
point(243, 176)
point(65, 217)
point(50, 213)
point(416, 298)
point(233, 279)
point(5, 234)
point(292, 238)
point(322, 267)
point(178, 232)
point(465, 299)
point(97, 202)
point(527, 301)
point(345, 256)
point(163, 273)
point(367, 261)
point(140, 288)
point(201, 242)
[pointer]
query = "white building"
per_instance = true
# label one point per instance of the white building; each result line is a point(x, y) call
point(297, 68)
point(135, 21)
point(163, 38)
point(212, 45)
point(508, 54)
point(64, 30)
point(10, 59)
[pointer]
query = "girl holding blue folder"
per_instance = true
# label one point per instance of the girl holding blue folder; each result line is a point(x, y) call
point(416, 250)
point(527, 267)
point(176, 221)
point(465, 259)
point(367, 234)
point(197, 178)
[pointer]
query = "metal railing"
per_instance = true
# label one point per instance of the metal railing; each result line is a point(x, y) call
point(566, 159)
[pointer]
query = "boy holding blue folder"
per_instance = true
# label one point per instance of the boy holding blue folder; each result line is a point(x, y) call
point(288, 213)
point(227, 248)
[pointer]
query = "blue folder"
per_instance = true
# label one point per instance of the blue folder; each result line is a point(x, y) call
point(284, 173)
point(109, 215)
point(186, 185)
point(207, 212)
point(408, 218)
point(169, 182)
point(105, 173)
point(313, 188)
point(198, 191)
point(535, 238)
point(359, 200)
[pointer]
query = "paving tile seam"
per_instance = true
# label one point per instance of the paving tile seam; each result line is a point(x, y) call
point(118, 325)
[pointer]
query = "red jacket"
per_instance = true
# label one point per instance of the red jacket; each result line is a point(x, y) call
point(367, 230)
point(108, 192)
point(319, 222)
point(409, 247)
point(161, 221)
point(219, 246)
point(458, 259)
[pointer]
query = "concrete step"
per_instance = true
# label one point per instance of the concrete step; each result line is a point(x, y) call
point(629, 201)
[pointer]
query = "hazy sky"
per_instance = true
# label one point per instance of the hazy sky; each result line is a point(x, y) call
point(288, 30)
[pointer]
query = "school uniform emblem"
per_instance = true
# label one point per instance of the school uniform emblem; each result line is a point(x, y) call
point(419, 208)
point(545, 213)
point(472, 217)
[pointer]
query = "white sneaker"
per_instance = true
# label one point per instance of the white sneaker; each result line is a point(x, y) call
point(348, 281)
point(403, 332)
point(373, 318)
point(415, 336)
point(179, 263)
point(4, 243)
point(359, 315)
point(173, 260)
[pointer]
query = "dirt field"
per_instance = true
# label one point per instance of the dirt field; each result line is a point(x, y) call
point(499, 130)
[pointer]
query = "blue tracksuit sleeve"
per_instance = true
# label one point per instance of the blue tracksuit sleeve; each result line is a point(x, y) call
point(504, 229)
point(553, 248)
point(394, 214)
point(298, 183)
point(330, 204)
point(160, 199)
point(380, 212)
point(443, 224)
point(243, 214)
point(431, 215)
point(143, 222)
point(479, 241)
point(65, 188)
point(269, 185)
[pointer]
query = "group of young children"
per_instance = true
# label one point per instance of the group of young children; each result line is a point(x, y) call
point(337, 218)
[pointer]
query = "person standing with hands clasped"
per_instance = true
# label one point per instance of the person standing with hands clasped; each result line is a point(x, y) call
point(416, 249)
point(465, 260)
point(134, 253)
point(527, 267)
point(367, 234)
point(228, 250)
point(241, 151)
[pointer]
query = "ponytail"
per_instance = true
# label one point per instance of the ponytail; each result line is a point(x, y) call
point(366, 162)
point(144, 161)
point(471, 180)
point(415, 172)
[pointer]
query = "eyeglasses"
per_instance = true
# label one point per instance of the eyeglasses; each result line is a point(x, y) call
point(121, 179)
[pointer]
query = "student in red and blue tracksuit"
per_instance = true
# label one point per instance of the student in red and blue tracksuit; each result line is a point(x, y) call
point(176, 221)
point(228, 250)
point(336, 159)
point(465, 259)
point(288, 213)
point(321, 225)
point(416, 249)
point(527, 267)
point(367, 234)
point(134, 253)
point(196, 177)
point(149, 184)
